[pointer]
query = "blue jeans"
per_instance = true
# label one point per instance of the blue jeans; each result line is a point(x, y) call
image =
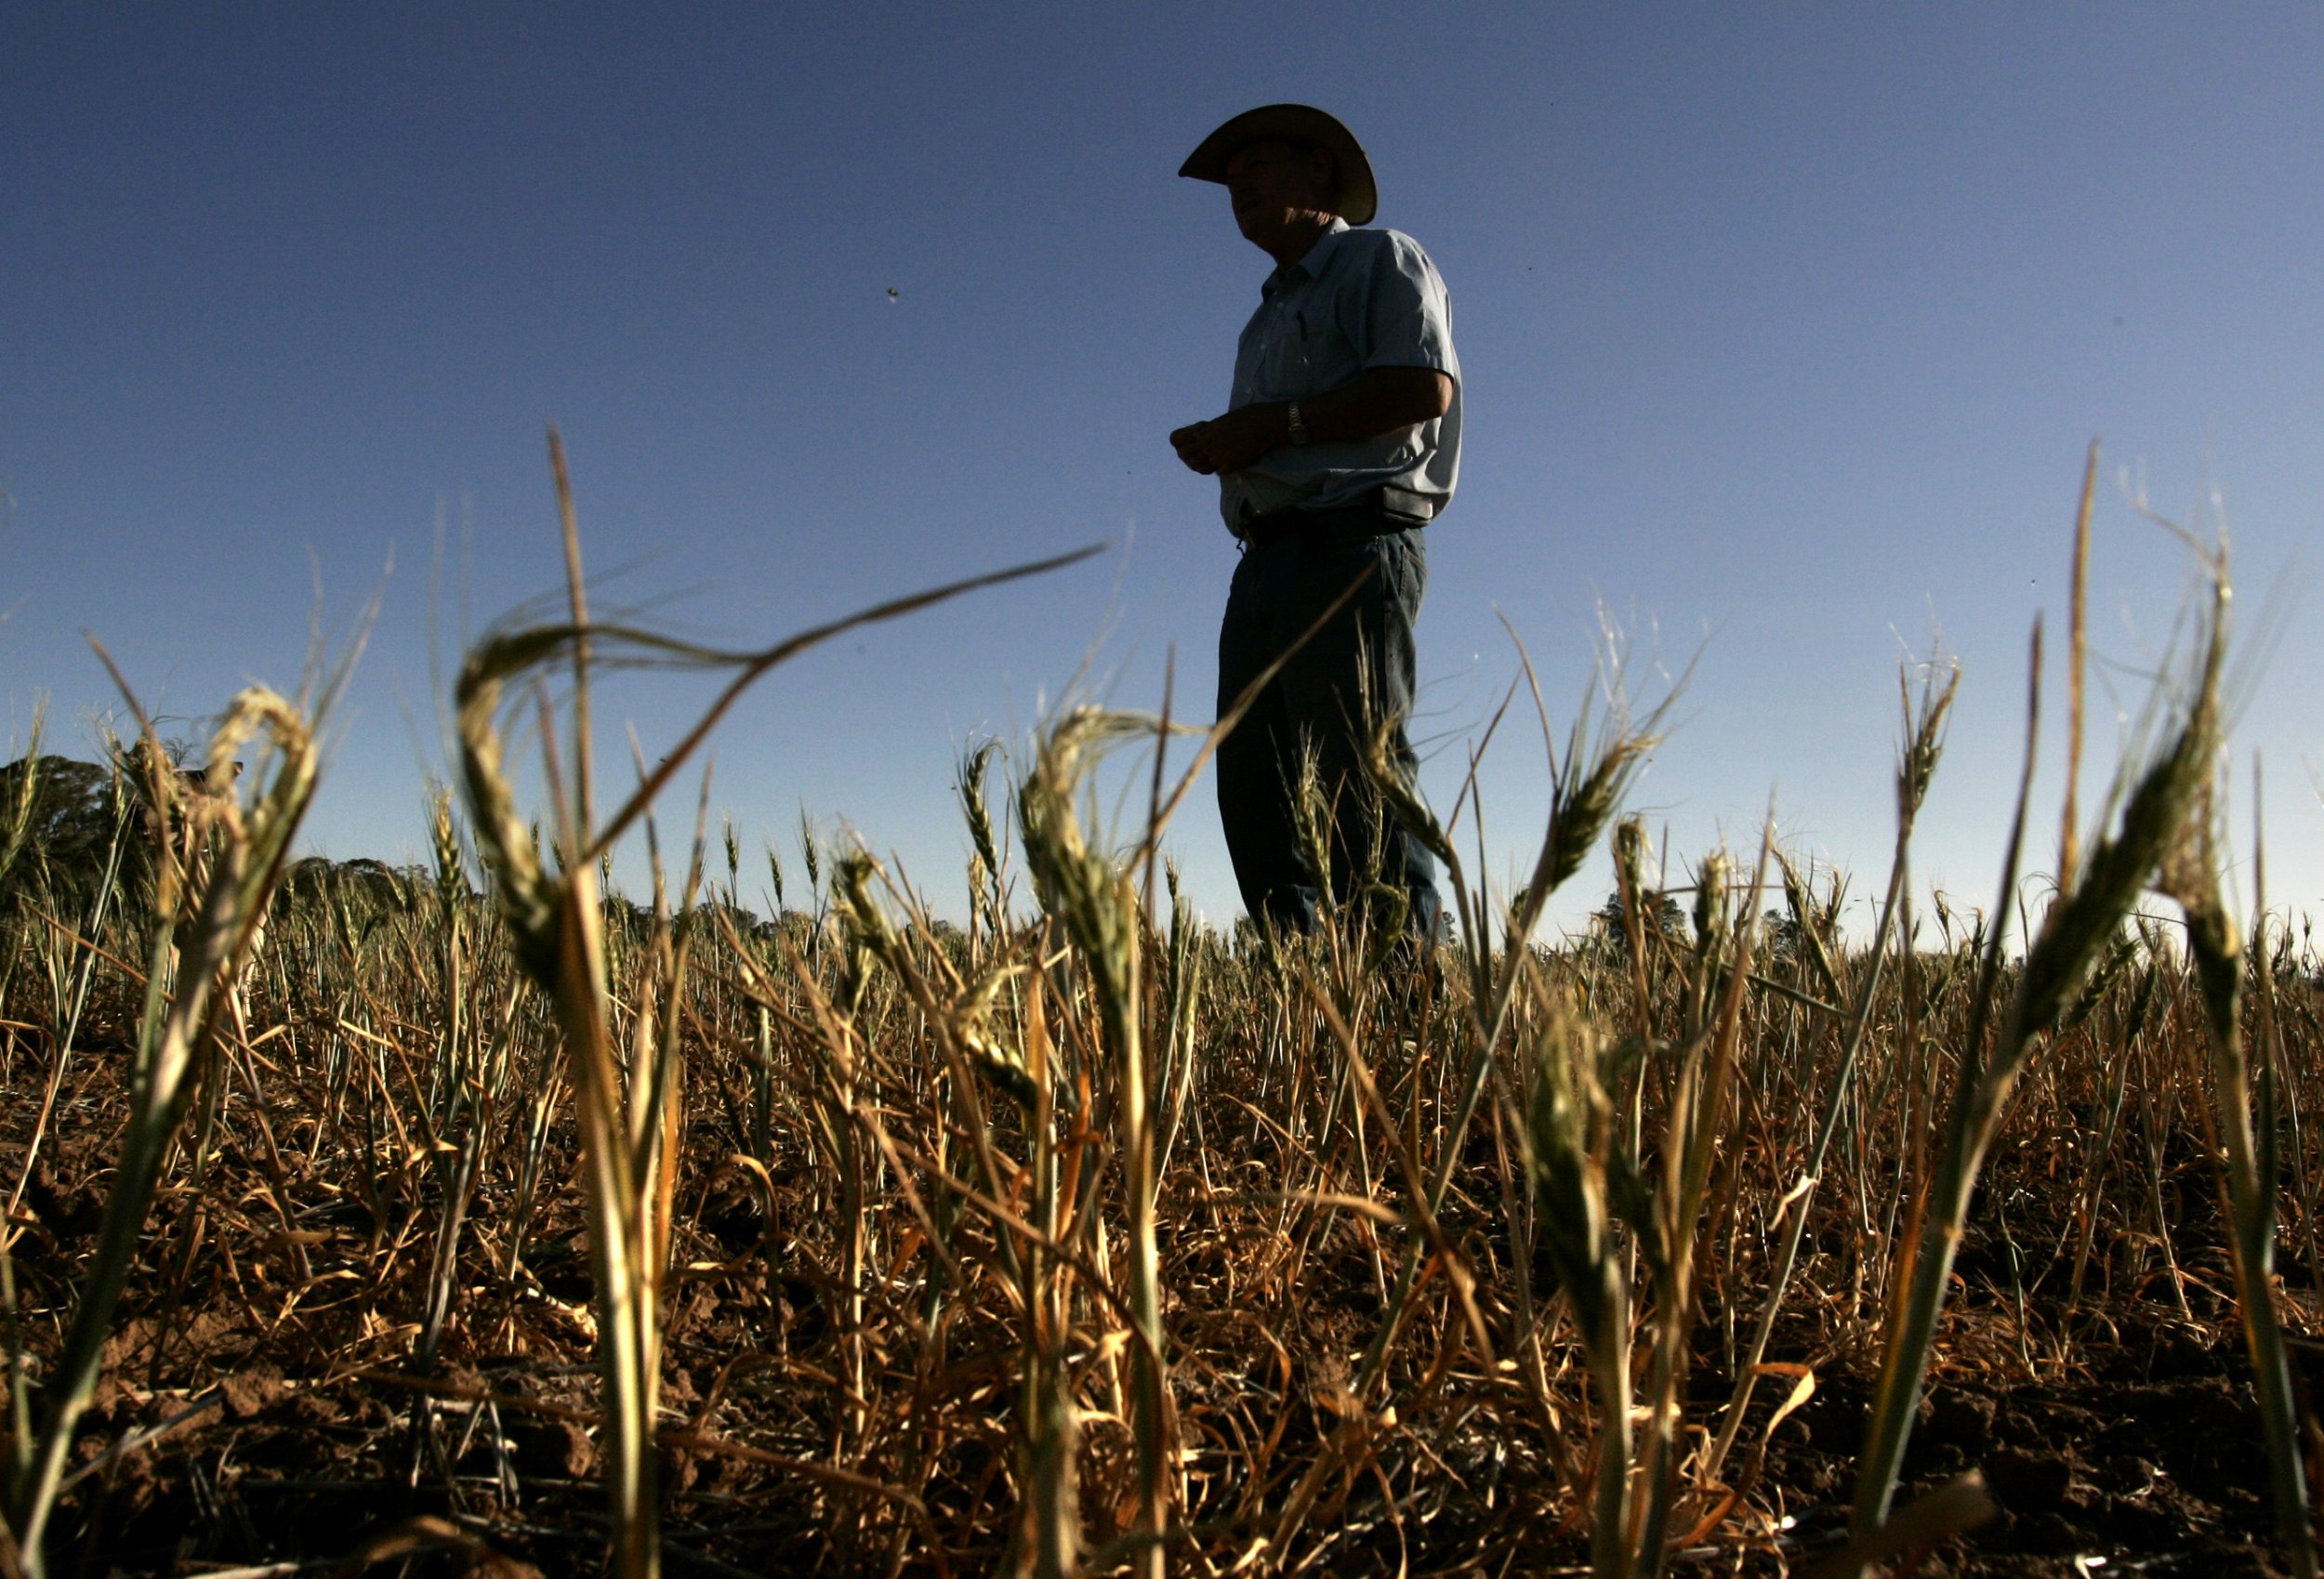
point(1362, 658)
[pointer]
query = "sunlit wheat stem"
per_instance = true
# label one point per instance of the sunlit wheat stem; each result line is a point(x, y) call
point(1586, 790)
point(1924, 744)
point(2249, 1168)
point(2155, 797)
point(200, 942)
point(556, 925)
point(1090, 895)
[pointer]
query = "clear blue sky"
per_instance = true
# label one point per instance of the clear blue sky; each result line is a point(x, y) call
point(1784, 330)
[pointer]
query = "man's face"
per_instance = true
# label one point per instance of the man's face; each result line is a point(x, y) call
point(1276, 187)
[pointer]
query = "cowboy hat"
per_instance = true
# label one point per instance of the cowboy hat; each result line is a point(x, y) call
point(1305, 126)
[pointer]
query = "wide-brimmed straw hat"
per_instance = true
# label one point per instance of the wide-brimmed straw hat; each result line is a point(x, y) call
point(1307, 127)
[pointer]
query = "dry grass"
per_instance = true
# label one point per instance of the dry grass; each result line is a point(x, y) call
point(510, 1224)
point(958, 1154)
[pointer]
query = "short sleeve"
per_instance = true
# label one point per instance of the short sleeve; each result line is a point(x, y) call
point(1408, 314)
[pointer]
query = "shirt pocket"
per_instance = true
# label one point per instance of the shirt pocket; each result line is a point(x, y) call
point(1312, 352)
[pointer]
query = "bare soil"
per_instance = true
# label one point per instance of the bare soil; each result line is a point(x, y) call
point(264, 1402)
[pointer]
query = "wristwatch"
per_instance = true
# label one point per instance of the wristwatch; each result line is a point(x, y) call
point(1299, 434)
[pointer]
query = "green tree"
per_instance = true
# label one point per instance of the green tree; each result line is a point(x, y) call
point(1663, 915)
point(70, 821)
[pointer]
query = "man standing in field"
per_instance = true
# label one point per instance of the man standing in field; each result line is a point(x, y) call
point(1340, 443)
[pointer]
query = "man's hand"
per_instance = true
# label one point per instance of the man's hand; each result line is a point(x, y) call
point(1187, 442)
point(1380, 402)
point(1232, 441)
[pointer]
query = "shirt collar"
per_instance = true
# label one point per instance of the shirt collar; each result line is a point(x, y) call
point(1308, 267)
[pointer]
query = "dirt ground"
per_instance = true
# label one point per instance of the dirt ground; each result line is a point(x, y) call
point(2142, 1458)
point(264, 1409)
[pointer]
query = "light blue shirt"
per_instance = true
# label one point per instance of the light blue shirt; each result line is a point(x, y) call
point(1359, 299)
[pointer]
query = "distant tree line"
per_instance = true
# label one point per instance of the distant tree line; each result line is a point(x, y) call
point(60, 821)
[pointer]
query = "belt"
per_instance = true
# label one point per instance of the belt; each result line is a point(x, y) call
point(1366, 518)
